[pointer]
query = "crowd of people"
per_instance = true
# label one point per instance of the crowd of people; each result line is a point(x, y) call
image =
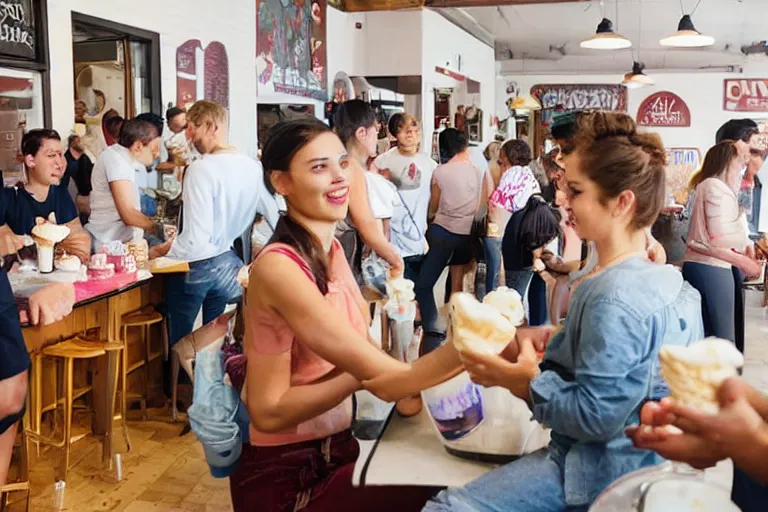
point(570, 231)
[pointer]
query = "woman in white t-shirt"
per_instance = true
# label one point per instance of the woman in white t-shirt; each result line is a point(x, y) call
point(411, 173)
point(115, 201)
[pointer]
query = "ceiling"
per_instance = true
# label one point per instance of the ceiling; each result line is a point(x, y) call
point(545, 37)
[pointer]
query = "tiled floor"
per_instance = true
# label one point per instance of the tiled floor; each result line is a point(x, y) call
point(167, 472)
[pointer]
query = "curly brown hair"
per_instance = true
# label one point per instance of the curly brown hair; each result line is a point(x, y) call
point(518, 152)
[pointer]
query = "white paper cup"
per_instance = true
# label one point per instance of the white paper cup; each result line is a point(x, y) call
point(45, 258)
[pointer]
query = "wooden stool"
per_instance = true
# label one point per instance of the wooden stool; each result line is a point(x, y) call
point(66, 352)
point(143, 318)
point(22, 484)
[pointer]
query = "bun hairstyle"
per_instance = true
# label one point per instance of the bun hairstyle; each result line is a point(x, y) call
point(283, 142)
point(617, 157)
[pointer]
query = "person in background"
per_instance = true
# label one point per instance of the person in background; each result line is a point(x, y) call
point(176, 117)
point(42, 195)
point(79, 171)
point(601, 367)
point(411, 172)
point(356, 125)
point(527, 234)
point(50, 304)
point(147, 176)
point(458, 189)
point(223, 192)
point(307, 344)
point(717, 222)
point(516, 186)
point(115, 200)
point(739, 431)
point(111, 124)
point(491, 155)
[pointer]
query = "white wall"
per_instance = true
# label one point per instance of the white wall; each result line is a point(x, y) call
point(702, 92)
point(442, 41)
point(231, 22)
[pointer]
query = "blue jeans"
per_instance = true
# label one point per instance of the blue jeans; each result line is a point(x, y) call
point(747, 493)
point(493, 260)
point(442, 244)
point(718, 298)
point(533, 483)
point(519, 280)
point(210, 283)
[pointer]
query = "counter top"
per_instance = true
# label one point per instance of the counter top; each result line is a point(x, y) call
point(409, 452)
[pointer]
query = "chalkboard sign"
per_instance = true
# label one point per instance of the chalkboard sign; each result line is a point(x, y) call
point(17, 29)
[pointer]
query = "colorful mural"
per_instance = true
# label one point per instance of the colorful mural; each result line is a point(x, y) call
point(202, 74)
point(290, 47)
point(681, 164)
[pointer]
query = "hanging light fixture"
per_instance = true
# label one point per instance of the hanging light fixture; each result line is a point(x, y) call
point(606, 39)
point(687, 36)
point(637, 78)
point(525, 103)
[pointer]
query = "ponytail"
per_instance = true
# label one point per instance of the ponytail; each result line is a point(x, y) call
point(292, 233)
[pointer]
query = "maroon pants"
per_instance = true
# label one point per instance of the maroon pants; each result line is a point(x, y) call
point(314, 476)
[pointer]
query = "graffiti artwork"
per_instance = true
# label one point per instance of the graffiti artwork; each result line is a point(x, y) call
point(663, 109)
point(202, 74)
point(290, 47)
point(581, 96)
point(681, 164)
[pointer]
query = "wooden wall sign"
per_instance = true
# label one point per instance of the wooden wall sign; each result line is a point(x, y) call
point(17, 29)
point(581, 96)
point(746, 95)
point(663, 109)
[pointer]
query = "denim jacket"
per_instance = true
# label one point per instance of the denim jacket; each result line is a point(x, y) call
point(600, 369)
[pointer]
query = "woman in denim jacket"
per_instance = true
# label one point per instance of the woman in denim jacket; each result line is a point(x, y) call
point(602, 366)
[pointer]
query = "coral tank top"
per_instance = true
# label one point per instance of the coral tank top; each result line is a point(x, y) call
point(269, 334)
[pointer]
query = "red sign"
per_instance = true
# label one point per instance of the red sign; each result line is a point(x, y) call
point(663, 109)
point(746, 95)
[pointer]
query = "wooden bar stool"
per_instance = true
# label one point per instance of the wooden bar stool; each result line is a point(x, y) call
point(22, 482)
point(144, 319)
point(65, 353)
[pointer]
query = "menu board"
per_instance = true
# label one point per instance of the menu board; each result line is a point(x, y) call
point(17, 29)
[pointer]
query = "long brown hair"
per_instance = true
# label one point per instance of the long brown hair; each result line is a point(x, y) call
point(716, 162)
point(283, 142)
point(617, 157)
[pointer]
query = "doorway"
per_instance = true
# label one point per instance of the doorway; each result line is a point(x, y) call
point(117, 76)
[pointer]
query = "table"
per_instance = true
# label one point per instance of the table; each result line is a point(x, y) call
point(409, 452)
point(103, 313)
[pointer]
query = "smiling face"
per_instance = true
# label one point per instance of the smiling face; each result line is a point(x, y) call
point(47, 166)
point(316, 186)
point(593, 216)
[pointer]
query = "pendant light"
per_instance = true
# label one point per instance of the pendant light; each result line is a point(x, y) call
point(606, 39)
point(636, 78)
point(525, 103)
point(687, 36)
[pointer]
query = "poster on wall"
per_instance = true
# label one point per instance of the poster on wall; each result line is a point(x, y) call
point(681, 164)
point(581, 96)
point(663, 109)
point(746, 95)
point(17, 29)
point(202, 74)
point(290, 47)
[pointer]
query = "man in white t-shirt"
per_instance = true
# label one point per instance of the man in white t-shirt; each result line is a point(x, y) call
point(115, 198)
point(223, 192)
point(411, 173)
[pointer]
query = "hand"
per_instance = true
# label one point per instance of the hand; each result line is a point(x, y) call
point(495, 370)
point(10, 242)
point(705, 438)
point(396, 264)
point(539, 336)
point(160, 250)
point(51, 303)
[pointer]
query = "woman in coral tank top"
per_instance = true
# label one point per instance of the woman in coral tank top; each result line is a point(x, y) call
point(307, 344)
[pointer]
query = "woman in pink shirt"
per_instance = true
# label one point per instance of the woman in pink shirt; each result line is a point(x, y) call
point(717, 239)
point(307, 346)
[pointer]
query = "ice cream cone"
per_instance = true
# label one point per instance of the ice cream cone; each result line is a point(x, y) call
point(694, 373)
point(478, 327)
